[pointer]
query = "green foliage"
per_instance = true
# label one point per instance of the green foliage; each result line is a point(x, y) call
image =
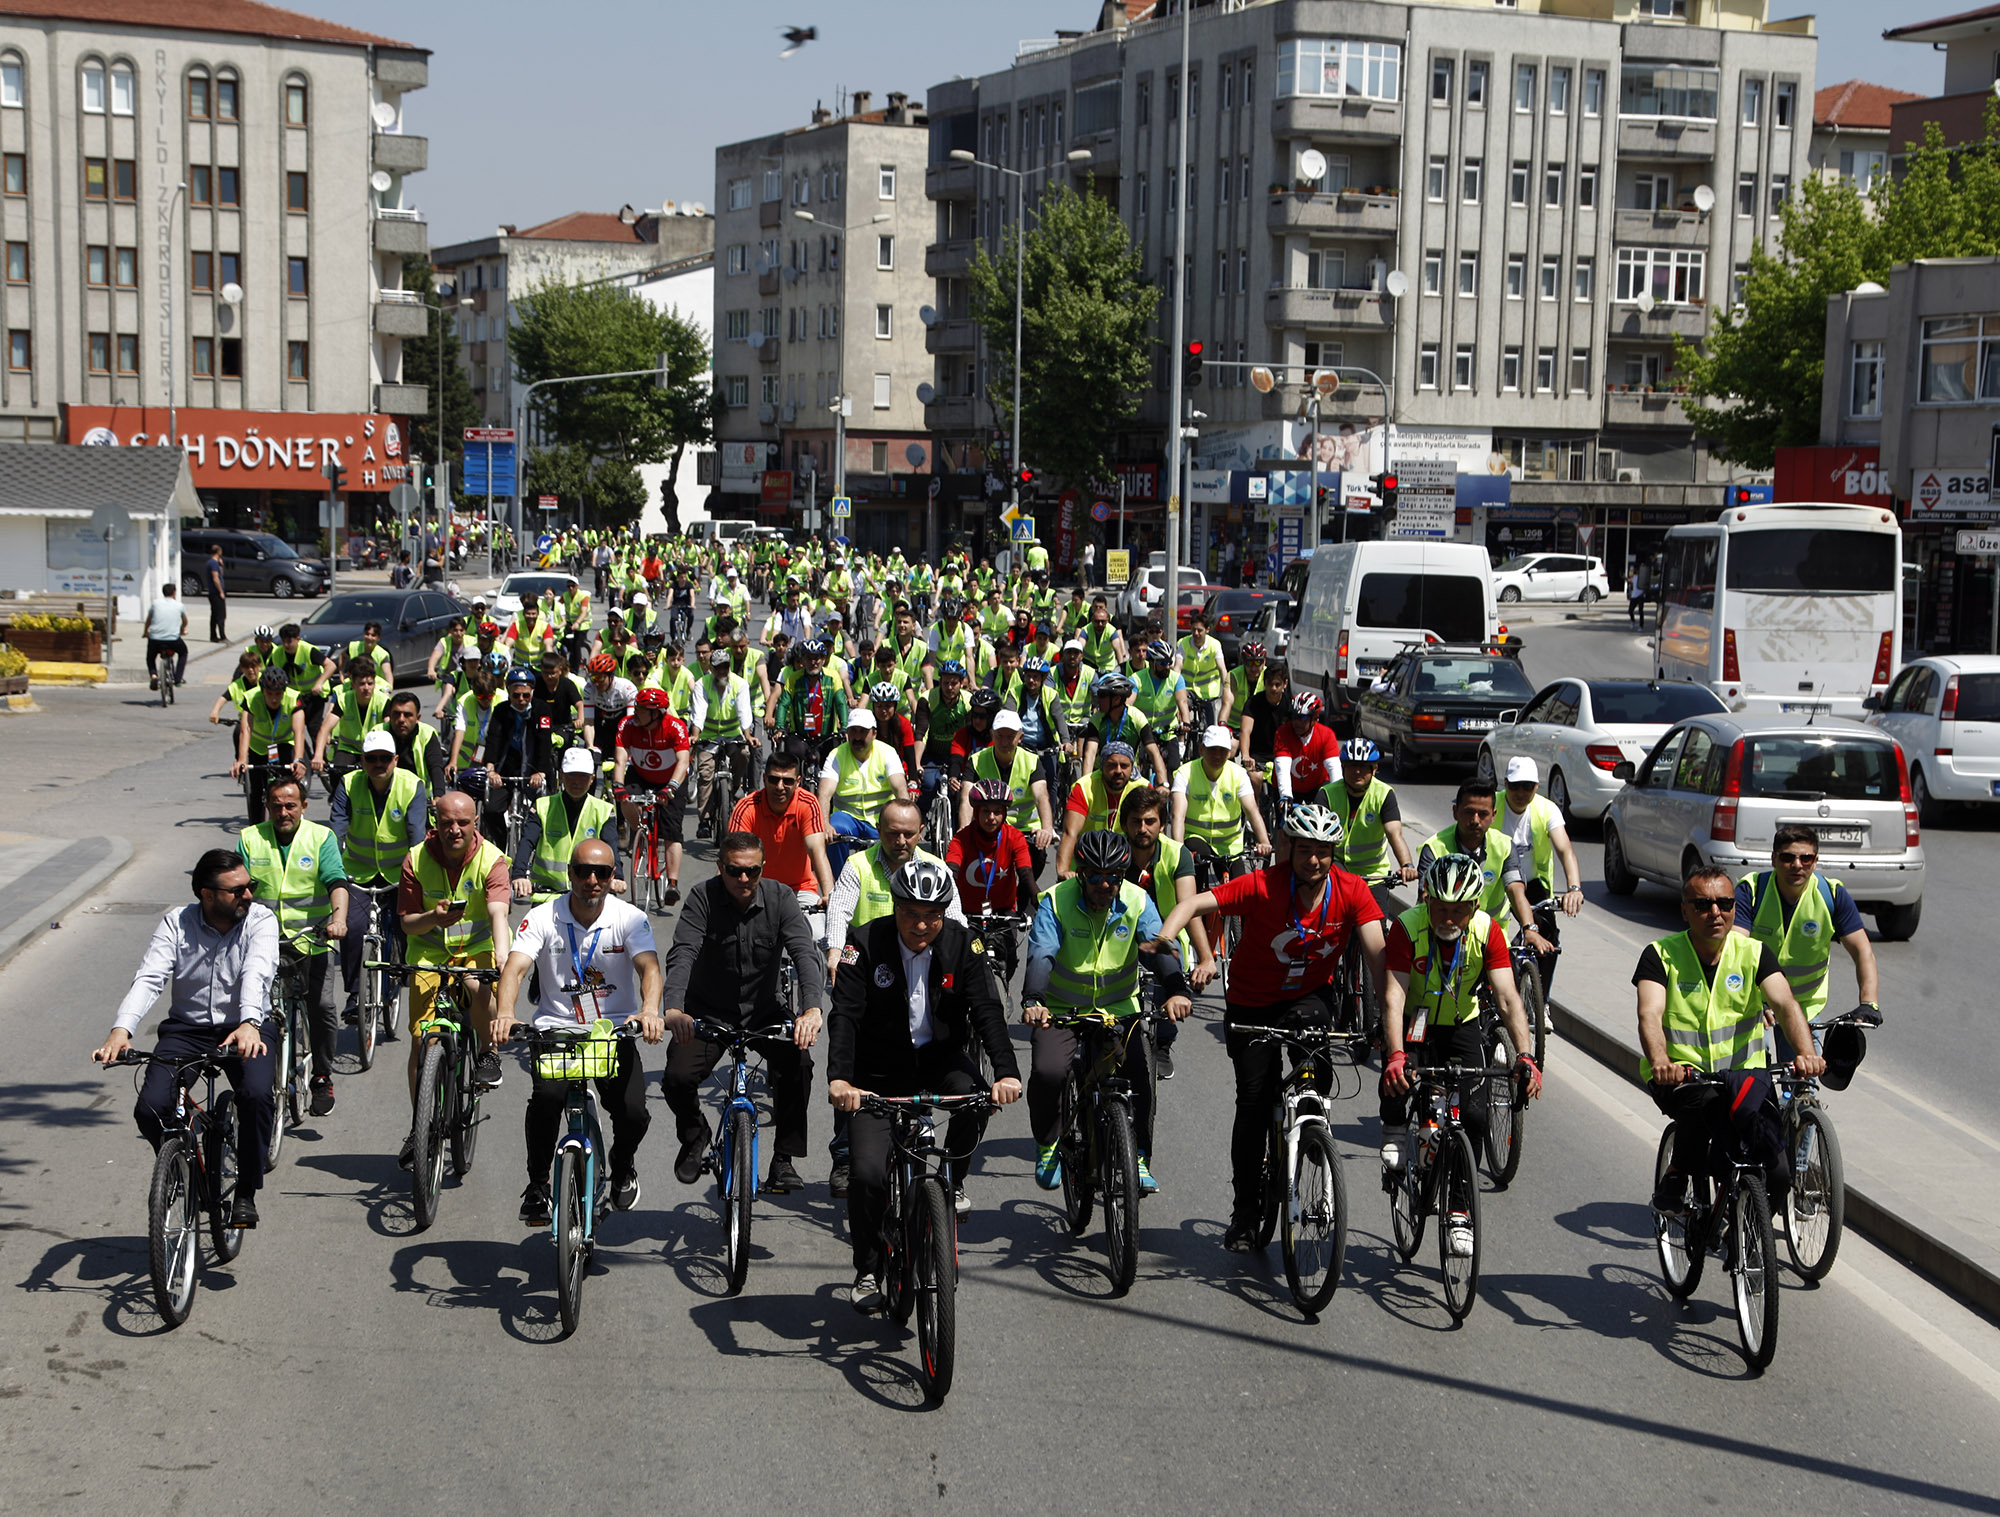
point(35, 621)
point(611, 490)
point(420, 367)
point(1760, 371)
point(1086, 332)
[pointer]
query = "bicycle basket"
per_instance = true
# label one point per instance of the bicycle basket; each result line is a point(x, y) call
point(595, 1057)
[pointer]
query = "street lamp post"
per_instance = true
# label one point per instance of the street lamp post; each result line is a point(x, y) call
point(1175, 422)
point(173, 408)
point(445, 290)
point(839, 406)
point(521, 418)
point(1020, 178)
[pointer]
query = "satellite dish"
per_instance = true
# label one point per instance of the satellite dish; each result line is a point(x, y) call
point(791, 276)
point(926, 393)
point(1645, 303)
point(757, 339)
point(1262, 380)
point(1397, 284)
point(111, 520)
point(232, 294)
point(1327, 382)
point(697, 209)
point(928, 316)
point(1869, 287)
point(1704, 199)
point(915, 454)
point(379, 181)
point(1312, 164)
point(384, 114)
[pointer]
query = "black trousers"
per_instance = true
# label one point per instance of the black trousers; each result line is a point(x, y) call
point(1708, 1121)
point(1259, 1073)
point(176, 652)
point(1054, 1049)
point(941, 1068)
point(218, 614)
point(322, 1022)
point(251, 1079)
point(790, 1070)
point(1458, 1044)
point(623, 1095)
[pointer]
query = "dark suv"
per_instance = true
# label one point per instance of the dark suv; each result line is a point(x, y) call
point(255, 563)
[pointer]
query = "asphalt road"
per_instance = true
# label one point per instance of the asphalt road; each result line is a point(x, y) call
point(346, 1362)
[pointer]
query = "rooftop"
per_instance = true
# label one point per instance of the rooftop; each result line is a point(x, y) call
point(239, 17)
point(1857, 105)
point(1946, 28)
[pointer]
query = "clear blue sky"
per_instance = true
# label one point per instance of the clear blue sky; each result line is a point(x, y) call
point(537, 107)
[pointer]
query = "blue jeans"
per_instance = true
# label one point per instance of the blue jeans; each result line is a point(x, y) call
point(845, 833)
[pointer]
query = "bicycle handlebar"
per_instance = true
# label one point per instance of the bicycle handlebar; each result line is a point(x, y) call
point(130, 1055)
point(1326, 1036)
point(456, 971)
point(567, 1037)
point(1447, 1074)
point(1098, 1018)
point(710, 1031)
point(889, 1106)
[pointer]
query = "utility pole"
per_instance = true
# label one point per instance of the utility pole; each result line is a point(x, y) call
point(1176, 507)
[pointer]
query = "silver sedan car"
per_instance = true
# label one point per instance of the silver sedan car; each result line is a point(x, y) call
point(1579, 730)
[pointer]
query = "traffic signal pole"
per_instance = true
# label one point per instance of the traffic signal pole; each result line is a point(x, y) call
point(1176, 507)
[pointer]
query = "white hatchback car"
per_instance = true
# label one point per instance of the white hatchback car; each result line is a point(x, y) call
point(1551, 576)
point(1578, 731)
point(1945, 711)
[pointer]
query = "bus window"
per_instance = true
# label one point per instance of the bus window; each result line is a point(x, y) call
point(1701, 573)
point(1804, 560)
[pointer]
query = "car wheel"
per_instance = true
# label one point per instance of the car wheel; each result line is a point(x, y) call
point(1899, 923)
point(1930, 810)
point(1590, 595)
point(190, 586)
point(1690, 862)
point(1401, 764)
point(282, 587)
point(1618, 876)
point(1559, 796)
point(1510, 593)
point(1484, 768)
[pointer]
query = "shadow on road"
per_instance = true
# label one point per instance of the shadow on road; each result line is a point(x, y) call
point(821, 1326)
point(117, 1270)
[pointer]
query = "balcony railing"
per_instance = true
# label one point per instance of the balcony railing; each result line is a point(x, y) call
point(1356, 212)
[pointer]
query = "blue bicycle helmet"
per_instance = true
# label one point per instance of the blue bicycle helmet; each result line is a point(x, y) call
point(952, 666)
point(1360, 750)
point(520, 674)
point(498, 663)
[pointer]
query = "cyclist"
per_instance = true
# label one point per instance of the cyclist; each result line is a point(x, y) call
point(1703, 997)
point(475, 708)
point(1164, 869)
point(1212, 799)
point(1162, 698)
point(1205, 670)
point(861, 776)
point(274, 729)
point(1259, 720)
point(1091, 936)
point(989, 857)
point(368, 649)
point(575, 607)
point(1799, 914)
point(1371, 818)
point(1245, 680)
point(1119, 721)
point(377, 817)
point(419, 748)
point(1472, 832)
point(888, 1037)
point(1303, 750)
point(939, 717)
point(215, 959)
point(1440, 953)
point(297, 868)
point(1297, 920)
point(606, 700)
point(787, 819)
point(595, 958)
point(1538, 831)
point(723, 966)
point(656, 740)
point(1093, 802)
point(721, 720)
point(1007, 761)
point(810, 705)
point(516, 747)
point(556, 825)
point(1074, 682)
point(973, 739)
point(166, 633)
point(236, 697)
point(307, 671)
point(1103, 644)
point(357, 709)
point(531, 631)
point(680, 604)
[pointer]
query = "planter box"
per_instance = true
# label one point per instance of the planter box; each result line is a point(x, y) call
point(57, 647)
point(13, 684)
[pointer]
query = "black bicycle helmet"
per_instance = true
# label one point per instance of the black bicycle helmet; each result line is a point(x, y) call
point(1103, 853)
point(985, 702)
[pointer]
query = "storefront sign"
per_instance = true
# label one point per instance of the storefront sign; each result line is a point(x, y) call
point(1117, 566)
point(256, 450)
point(1847, 476)
point(741, 460)
point(777, 487)
point(1950, 492)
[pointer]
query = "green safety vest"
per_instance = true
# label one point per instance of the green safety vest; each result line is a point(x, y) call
point(476, 715)
point(472, 933)
point(862, 787)
point(288, 879)
point(1543, 817)
point(377, 840)
point(528, 644)
point(268, 726)
point(1202, 667)
point(576, 609)
point(1712, 1028)
point(947, 719)
point(1097, 649)
point(1097, 815)
point(301, 666)
point(956, 642)
point(719, 720)
point(1801, 946)
point(1498, 849)
point(1166, 862)
point(548, 871)
point(1364, 843)
point(1155, 698)
point(1020, 780)
point(1096, 966)
point(356, 722)
point(1075, 703)
point(1445, 1002)
point(1215, 806)
point(875, 902)
point(1240, 691)
point(379, 654)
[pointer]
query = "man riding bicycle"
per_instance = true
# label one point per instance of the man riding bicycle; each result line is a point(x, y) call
point(1212, 798)
point(1371, 818)
point(655, 742)
point(1117, 720)
point(379, 814)
point(722, 725)
point(860, 777)
point(1536, 827)
point(1799, 915)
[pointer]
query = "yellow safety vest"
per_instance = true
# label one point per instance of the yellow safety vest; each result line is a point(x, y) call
point(875, 902)
point(1712, 1027)
point(288, 879)
point(548, 871)
point(472, 933)
point(1096, 967)
point(1364, 844)
point(1202, 668)
point(1215, 806)
point(378, 838)
point(1444, 982)
point(1802, 946)
point(1020, 780)
point(1499, 849)
point(862, 787)
point(356, 721)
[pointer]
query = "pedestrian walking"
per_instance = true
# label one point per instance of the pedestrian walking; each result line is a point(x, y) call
point(218, 595)
point(1635, 592)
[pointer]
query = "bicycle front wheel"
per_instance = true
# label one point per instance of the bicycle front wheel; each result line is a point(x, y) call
point(645, 872)
point(220, 1135)
point(368, 1004)
point(934, 1257)
point(1534, 1001)
point(1816, 1205)
point(1674, 1233)
point(463, 1125)
point(572, 1229)
point(1121, 1195)
point(428, 1128)
point(1506, 1114)
point(281, 1117)
point(740, 1189)
point(1458, 1225)
point(173, 1232)
point(1315, 1236)
point(1754, 1274)
point(1073, 1147)
point(1274, 1186)
point(1407, 1208)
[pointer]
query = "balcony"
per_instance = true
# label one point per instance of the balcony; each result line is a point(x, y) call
point(949, 260)
point(401, 231)
point(1630, 407)
point(400, 153)
point(1340, 120)
point(1343, 310)
point(396, 317)
point(1665, 137)
point(771, 213)
point(1662, 324)
point(1686, 228)
point(1350, 212)
point(951, 181)
point(768, 283)
point(952, 336)
point(769, 351)
point(403, 400)
point(475, 352)
point(957, 413)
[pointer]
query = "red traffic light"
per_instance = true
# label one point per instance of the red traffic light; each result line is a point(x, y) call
point(1388, 481)
point(1194, 350)
point(1027, 476)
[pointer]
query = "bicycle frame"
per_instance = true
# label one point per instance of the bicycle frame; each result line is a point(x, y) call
point(722, 1150)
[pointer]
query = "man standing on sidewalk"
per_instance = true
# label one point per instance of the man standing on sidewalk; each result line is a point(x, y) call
point(218, 596)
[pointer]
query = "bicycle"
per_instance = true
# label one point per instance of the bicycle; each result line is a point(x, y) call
point(1816, 1205)
point(1738, 1232)
point(722, 791)
point(648, 868)
point(1225, 933)
point(732, 1156)
point(1528, 980)
point(291, 1092)
point(1303, 1183)
point(257, 779)
point(447, 1103)
point(195, 1171)
point(1438, 1175)
point(680, 619)
point(919, 1230)
point(579, 1181)
point(372, 1008)
point(167, 682)
point(1096, 1137)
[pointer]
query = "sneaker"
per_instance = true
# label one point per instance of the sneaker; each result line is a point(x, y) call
point(1148, 1186)
point(350, 1014)
point(693, 1157)
point(1670, 1195)
point(536, 1204)
point(243, 1213)
point(1048, 1167)
point(866, 1295)
point(322, 1096)
point(784, 1176)
point(1241, 1238)
point(407, 1157)
point(837, 1181)
point(152, 682)
point(1458, 1235)
point(1392, 1158)
point(961, 1203)
point(1163, 1063)
point(671, 896)
point(486, 1069)
point(1548, 1022)
point(625, 1190)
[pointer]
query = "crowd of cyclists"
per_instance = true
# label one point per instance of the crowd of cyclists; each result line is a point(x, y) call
point(1116, 820)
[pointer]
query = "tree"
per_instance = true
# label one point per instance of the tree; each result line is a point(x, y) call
point(420, 367)
point(1086, 342)
point(1761, 370)
point(610, 490)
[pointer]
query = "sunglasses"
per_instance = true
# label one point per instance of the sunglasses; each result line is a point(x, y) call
point(1103, 879)
point(1710, 902)
point(743, 871)
point(233, 890)
point(1798, 858)
point(590, 871)
point(781, 781)
point(378, 758)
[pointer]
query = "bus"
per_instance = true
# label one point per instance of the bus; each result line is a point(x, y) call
point(1784, 608)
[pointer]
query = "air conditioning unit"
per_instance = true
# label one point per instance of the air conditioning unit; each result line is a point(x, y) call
point(1628, 476)
point(767, 414)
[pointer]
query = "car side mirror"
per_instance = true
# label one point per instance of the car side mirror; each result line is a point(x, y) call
point(1509, 718)
point(1872, 703)
point(1624, 771)
point(261, 555)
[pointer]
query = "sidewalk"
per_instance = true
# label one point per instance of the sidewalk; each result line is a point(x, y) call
point(41, 878)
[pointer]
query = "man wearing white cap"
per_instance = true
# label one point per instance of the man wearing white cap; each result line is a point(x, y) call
point(1535, 824)
point(558, 822)
point(1212, 797)
point(640, 615)
point(379, 814)
point(1072, 680)
point(1008, 760)
point(860, 777)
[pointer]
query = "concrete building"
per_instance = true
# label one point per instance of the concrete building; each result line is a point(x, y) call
point(1565, 185)
point(626, 247)
point(810, 309)
point(204, 207)
point(1970, 42)
point(1851, 137)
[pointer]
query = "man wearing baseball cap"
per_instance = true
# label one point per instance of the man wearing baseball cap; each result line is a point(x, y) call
point(1007, 760)
point(1212, 797)
point(1540, 837)
point(551, 832)
point(861, 776)
point(378, 815)
point(639, 617)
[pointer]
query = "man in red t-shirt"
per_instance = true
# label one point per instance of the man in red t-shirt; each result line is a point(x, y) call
point(655, 741)
point(990, 858)
point(1307, 754)
point(1297, 920)
point(793, 829)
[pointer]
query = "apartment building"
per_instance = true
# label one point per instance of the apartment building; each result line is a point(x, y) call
point(1565, 187)
point(1851, 140)
point(822, 285)
point(204, 207)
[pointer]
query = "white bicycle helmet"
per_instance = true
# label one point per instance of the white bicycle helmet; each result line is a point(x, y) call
point(921, 883)
point(1314, 823)
point(1453, 877)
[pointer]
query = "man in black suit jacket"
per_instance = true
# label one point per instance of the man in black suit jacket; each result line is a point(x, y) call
point(890, 1039)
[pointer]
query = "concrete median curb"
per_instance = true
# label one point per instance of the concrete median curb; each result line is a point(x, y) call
point(73, 875)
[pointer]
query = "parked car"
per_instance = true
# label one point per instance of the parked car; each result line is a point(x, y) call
point(412, 621)
point(1945, 711)
point(1273, 627)
point(1141, 592)
point(541, 581)
point(1578, 731)
point(1715, 788)
point(1194, 594)
point(1551, 576)
point(254, 563)
point(1438, 702)
point(1232, 612)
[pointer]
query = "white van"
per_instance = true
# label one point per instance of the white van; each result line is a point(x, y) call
point(1792, 608)
point(1363, 601)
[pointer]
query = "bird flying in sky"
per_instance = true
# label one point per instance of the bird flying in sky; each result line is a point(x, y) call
point(797, 37)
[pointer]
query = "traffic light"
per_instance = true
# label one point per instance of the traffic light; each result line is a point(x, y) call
point(1385, 491)
point(336, 477)
point(1024, 477)
point(1191, 367)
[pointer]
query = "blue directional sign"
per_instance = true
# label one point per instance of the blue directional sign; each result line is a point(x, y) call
point(841, 505)
point(489, 468)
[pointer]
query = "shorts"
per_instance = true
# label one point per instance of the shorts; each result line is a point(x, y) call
point(671, 814)
point(424, 990)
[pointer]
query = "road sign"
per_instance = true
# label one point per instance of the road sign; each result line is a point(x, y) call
point(1979, 540)
point(1117, 565)
point(489, 466)
point(1414, 476)
point(547, 502)
point(111, 521)
point(1024, 529)
point(841, 505)
point(545, 542)
point(1101, 511)
point(489, 434)
point(406, 500)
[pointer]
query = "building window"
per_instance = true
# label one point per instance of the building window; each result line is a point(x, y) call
point(200, 107)
point(225, 110)
point(125, 179)
point(128, 353)
point(1666, 10)
point(1222, 181)
point(204, 358)
point(201, 271)
point(126, 267)
point(1579, 371)
point(1434, 180)
point(228, 187)
point(1524, 87)
point(1468, 273)
point(1517, 275)
point(1328, 66)
point(739, 194)
point(1864, 170)
point(100, 352)
point(201, 185)
point(230, 267)
point(768, 321)
point(1461, 367)
point(1781, 190)
point(1652, 192)
point(1517, 184)
point(93, 97)
point(1551, 274)
point(1746, 194)
point(1753, 101)
point(96, 179)
point(1475, 82)
point(1671, 278)
point(1782, 99)
point(1433, 273)
point(1586, 189)
point(295, 191)
point(1142, 107)
point(295, 115)
point(1545, 370)
point(1960, 359)
point(1739, 281)
point(883, 317)
point(882, 392)
point(774, 184)
point(1558, 92)
point(739, 258)
point(232, 357)
point(1583, 279)
point(1864, 386)
point(11, 82)
point(97, 265)
point(297, 280)
point(14, 173)
point(885, 252)
point(1318, 355)
point(122, 91)
point(1552, 186)
point(1222, 272)
point(1140, 203)
point(878, 458)
point(885, 182)
point(20, 350)
point(1326, 268)
point(17, 263)
point(1441, 81)
point(1468, 183)
point(770, 390)
point(1667, 90)
point(1510, 369)
point(1427, 366)
point(737, 388)
point(1593, 92)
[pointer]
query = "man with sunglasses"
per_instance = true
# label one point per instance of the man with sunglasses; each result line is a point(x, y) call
point(215, 959)
point(1799, 914)
point(1703, 997)
point(378, 816)
point(788, 820)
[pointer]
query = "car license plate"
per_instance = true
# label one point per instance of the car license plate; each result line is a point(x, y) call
point(1805, 708)
point(1475, 724)
point(1844, 837)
